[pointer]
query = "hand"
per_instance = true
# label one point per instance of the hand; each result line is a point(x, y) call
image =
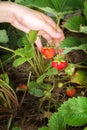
point(27, 19)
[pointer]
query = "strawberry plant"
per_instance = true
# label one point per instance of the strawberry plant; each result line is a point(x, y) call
point(52, 69)
point(8, 97)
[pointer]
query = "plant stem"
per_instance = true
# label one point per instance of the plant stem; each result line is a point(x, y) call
point(2, 67)
point(58, 21)
point(33, 66)
point(5, 48)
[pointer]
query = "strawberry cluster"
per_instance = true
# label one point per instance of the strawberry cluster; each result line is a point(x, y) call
point(58, 61)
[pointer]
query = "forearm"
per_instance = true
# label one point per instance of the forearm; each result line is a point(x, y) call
point(5, 12)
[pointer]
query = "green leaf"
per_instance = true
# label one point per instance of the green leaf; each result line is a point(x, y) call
point(60, 5)
point(50, 11)
point(57, 4)
point(41, 78)
point(29, 54)
point(85, 9)
point(73, 43)
point(81, 47)
point(25, 52)
point(73, 24)
point(66, 5)
point(24, 2)
point(5, 77)
point(56, 122)
point(26, 42)
point(75, 4)
point(33, 84)
point(74, 111)
point(80, 77)
point(32, 36)
point(19, 52)
point(50, 72)
point(18, 1)
point(39, 3)
point(45, 6)
point(16, 128)
point(9, 122)
point(36, 92)
point(36, 3)
point(46, 86)
point(85, 128)
point(3, 36)
point(55, 7)
point(19, 61)
point(83, 29)
point(34, 89)
point(70, 42)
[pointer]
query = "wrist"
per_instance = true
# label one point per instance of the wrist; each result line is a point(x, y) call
point(6, 12)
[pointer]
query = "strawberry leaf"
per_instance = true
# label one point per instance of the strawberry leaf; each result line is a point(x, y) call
point(3, 36)
point(85, 9)
point(73, 43)
point(32, 36)
point(80, 77)
point(73, 24)
point(46, 6)
point(56, 122)
point(65, 5)
point(83, 29)
point(70, 42)
point(25, 52)
point(85, 128)
point(50, 72)
point(74, 111)
point(19, 61)
point(36, 92)
point(54, 7)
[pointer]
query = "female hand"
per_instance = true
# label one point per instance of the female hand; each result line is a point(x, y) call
point(26, 19)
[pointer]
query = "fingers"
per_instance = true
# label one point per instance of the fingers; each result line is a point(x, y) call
point(57, 41)
point(52, 41)
point(38, 43)
point(51, 31)
point(51, 27)
point(20, 26)
point(49, 21)
point(45, 35)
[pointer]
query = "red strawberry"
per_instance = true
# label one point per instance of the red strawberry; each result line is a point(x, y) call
point(59, 66)
point(22, 87)
point(48, 52)
point(70, 91)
